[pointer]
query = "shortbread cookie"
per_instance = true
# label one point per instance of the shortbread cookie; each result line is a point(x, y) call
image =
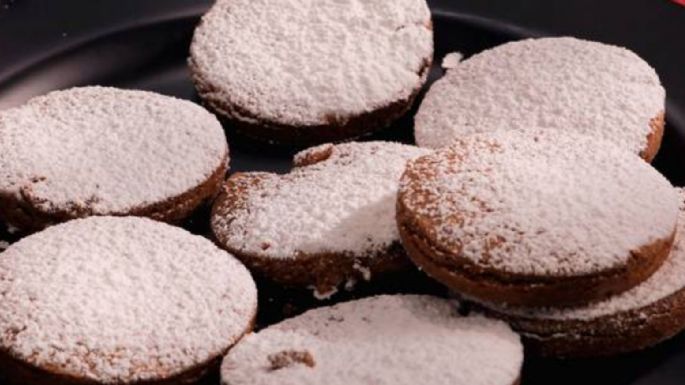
point(119, 300)
point(331, 220)
point(302, 72)
point(536, 219)
point(104, 151)
point(563, 84)
point(636, 319)
point(393, 340)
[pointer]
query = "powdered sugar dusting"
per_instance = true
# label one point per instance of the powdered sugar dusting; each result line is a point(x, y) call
point(345, 203)
point(119, 300)
point(604, 91)
point(545, 203)
point(307, 62)
point(669, 279)
point(380, 340)
point(106, 151)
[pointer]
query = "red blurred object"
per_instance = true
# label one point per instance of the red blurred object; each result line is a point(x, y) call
point(681, 2)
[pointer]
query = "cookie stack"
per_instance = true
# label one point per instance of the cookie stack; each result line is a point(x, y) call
point(522, 223)
point(539, 211)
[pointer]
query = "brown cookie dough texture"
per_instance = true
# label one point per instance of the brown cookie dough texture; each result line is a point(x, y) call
point(106, 151)
point(296, 72)
point(385, 340)
point(536, 218)
point(328, 222)
point(559, 83)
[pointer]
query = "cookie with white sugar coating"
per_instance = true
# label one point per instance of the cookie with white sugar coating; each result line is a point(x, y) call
point(384, 340)
point(636, 319)
point(304, 72)
point(536, 218)
point(106, 151)
point(557, 83)
point(119, 300)
point(328, 222)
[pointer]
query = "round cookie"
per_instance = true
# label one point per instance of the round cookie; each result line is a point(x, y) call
point(331, 220)
point(119, 300)
point(536, 218)
point(378, 340)
point(636, 319)
point(559, 83)
point(105, 151)
point(303, 72)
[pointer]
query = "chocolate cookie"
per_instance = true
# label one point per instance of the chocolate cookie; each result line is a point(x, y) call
point(564, 84)
point(105, 151)
point(378, 340)
point(330, 221)
point(536, 218)
point(303, 72)
point(636, 319)
point(119, 300)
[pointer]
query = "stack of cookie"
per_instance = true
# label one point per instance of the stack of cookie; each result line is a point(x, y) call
point(540, 211)
point(523, 223)
point(530, 196)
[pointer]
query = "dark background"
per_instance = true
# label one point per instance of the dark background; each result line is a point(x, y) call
point(52, 44)
point(34, 30)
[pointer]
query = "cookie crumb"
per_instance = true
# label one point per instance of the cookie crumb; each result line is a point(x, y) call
point(323, 295)
point(451, 60)
point(12, 229)
point(364, 270)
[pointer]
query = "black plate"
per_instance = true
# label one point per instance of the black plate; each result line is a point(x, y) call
point(52, 49)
